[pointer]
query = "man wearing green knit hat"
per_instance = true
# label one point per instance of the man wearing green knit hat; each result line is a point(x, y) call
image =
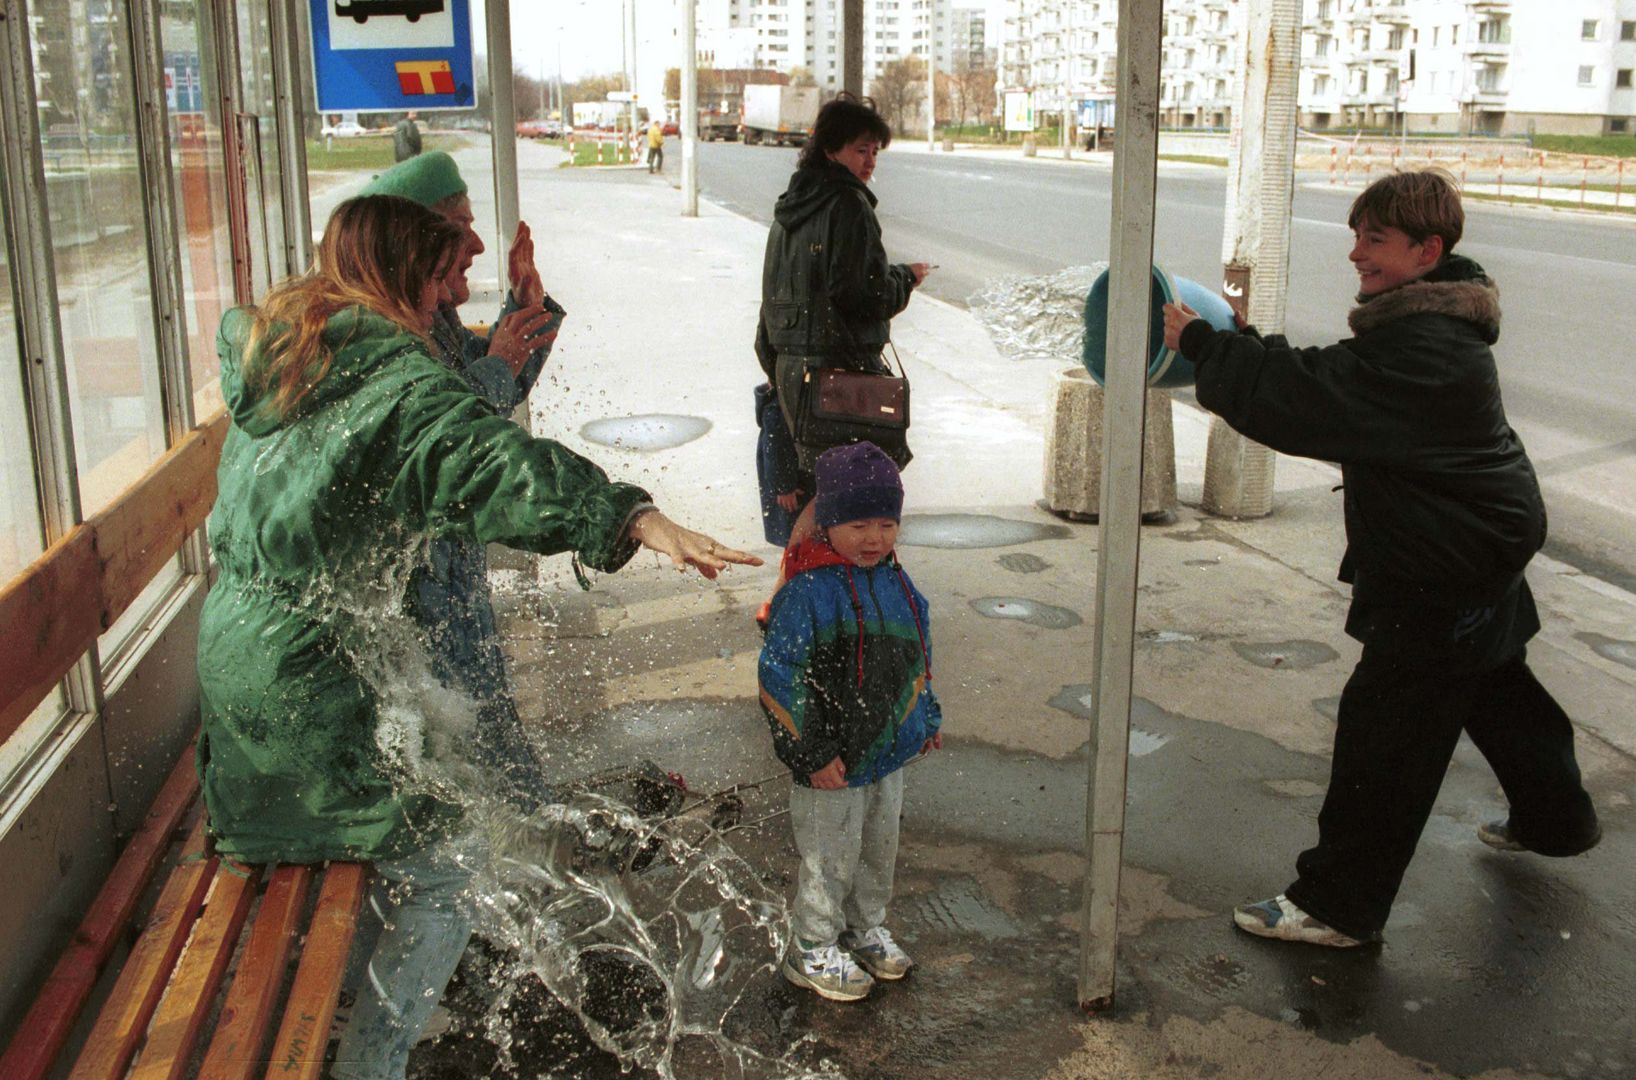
point(450, 595)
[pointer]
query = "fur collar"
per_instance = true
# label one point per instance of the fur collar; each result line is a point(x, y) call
point(1476, 300)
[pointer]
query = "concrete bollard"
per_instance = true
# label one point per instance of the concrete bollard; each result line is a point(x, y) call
point(1073, 452)
point(1028, 146)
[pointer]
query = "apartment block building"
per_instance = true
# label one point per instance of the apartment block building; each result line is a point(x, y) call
point(1432, 66)
point(786, 35)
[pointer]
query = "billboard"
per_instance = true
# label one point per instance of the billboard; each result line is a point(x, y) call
point(1019, 110)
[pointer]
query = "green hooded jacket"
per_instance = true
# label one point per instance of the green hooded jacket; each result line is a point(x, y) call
point(318, 519)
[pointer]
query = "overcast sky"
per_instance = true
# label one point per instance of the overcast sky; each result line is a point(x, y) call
point(590, 33)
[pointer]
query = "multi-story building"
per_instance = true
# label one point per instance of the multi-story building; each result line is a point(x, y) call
point(1427, 65)
point(968, 39)
point(786, 35)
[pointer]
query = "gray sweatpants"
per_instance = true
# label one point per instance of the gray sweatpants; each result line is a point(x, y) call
point(848, 840)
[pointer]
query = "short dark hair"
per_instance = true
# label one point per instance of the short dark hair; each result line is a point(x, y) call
point(840, 122)
point(1422, 203)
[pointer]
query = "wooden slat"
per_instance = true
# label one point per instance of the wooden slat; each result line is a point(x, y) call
point(120, 1027)
point(193, 985)
point(45, 634)
point(247, 1014)
point(43, 1032)
point(298, 1051)
point(170, 503)
point(55, 610)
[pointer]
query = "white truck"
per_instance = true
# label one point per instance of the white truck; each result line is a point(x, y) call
point(599, 114)
point(779, 114)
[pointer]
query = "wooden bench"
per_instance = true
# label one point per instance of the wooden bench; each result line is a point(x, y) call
point(213, 956)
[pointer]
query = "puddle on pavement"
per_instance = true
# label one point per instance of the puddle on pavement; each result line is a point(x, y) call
point(961, 531)
point(1021, 562)
point(1032, 612)
point(1620, 652)
point(645, 434)
point(1285, 655)
point(957, 907)
point(1166, 637)
point(1076, 699)
point(1328, 706)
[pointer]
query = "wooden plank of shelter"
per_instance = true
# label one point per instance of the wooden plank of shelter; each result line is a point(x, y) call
point(165, 507)
point(44, 1031)
point(123, 1022)
point(193, 985)
point(48, 612)
point(247, 1014)
point(82, 583)
point(298, 1050)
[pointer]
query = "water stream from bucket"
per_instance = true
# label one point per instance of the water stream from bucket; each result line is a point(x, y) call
point(649, 927)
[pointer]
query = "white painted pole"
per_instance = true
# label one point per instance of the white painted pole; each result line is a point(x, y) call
point(931, 76)
point(503, 120)
point(690, 110)
point(1135, 159)
point(1239, 473)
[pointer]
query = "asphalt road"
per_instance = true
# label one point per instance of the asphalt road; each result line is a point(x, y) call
point(1568, 370)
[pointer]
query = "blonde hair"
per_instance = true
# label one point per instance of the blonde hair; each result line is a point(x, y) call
point(378, 252)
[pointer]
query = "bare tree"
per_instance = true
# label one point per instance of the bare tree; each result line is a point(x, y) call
point(976, 94)
point(899, 88)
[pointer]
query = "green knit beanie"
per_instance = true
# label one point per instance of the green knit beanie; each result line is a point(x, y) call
point(427, 178)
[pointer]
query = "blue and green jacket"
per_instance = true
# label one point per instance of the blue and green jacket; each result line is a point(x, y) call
point(847, 666)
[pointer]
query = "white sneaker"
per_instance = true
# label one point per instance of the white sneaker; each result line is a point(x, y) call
point(1279, 919)
point(878, 953)
point(827, 971)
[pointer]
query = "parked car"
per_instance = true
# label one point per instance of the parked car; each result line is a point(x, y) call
point(345, 129)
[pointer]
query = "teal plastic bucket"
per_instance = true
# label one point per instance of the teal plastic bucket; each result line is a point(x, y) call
point(1166, 368)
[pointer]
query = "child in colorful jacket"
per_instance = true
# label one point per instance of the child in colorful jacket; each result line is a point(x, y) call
point(845, 675)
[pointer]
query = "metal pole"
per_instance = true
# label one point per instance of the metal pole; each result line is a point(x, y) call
point(690, 110)
point(284, 26)
point(852, 47)
point(503, 121)
point(931, 75)
point(1135, 158)
point(1238, 473)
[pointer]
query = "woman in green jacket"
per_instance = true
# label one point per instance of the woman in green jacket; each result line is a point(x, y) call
point(349, 447)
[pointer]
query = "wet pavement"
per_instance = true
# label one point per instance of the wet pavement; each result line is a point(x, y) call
point(1494, 965)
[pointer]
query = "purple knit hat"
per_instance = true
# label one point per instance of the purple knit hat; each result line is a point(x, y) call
point(855, 482)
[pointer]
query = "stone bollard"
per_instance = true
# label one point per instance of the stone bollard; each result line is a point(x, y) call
point(948, 145)
point(1028, 146)
point(1073, 452)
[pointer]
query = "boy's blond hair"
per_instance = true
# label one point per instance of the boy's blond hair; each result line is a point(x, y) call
point(1422, 203)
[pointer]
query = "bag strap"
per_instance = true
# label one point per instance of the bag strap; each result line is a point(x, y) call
point(904, 375)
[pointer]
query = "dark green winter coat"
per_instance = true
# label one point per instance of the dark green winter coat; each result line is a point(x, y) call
point(318, 519)
point(1442, 504)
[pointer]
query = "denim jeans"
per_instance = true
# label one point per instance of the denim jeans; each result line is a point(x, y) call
point(414, 926)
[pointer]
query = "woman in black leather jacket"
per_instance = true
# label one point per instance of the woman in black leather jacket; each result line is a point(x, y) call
point(827, 292)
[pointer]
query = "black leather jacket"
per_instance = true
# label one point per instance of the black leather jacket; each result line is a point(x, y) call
point(827, 291)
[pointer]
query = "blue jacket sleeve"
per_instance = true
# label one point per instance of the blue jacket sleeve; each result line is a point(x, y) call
point(799, 736)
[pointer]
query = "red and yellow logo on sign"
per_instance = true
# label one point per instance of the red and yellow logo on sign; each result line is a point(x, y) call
point(424, 76)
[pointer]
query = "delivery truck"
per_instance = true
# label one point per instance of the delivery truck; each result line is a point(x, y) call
point(779, 114)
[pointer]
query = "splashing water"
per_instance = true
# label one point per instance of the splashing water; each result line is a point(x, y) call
point(1038, 317)
point(636, 915)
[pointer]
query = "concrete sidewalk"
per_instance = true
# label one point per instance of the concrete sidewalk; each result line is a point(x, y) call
point(1495, 965)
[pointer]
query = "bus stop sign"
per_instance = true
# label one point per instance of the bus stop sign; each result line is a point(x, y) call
point(392, 55)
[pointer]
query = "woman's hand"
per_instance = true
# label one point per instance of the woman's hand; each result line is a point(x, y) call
point(685, 547)
point(831, 777)
point(920, 270)
point(520, 333)
point(790, 501)
point(525, 280)
point(1177, 316)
